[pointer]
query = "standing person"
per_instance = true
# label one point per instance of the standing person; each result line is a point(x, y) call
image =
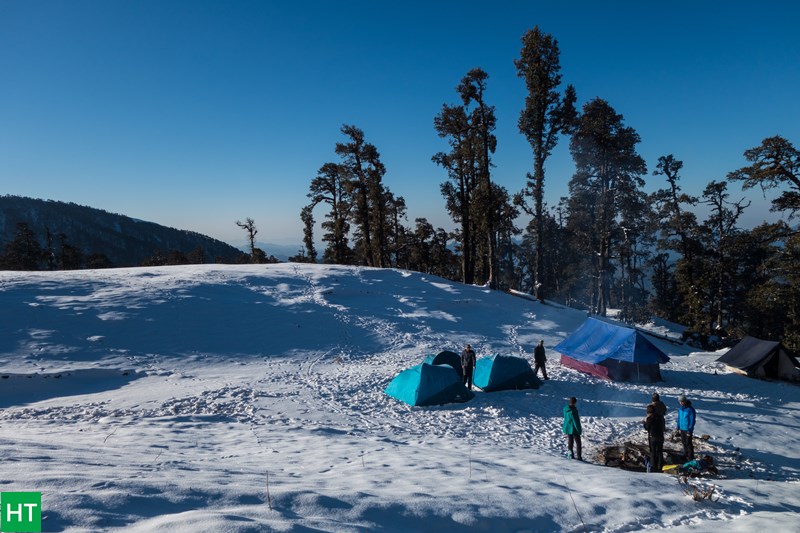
point(539, 359)
point(468, 365)
point(572, 427)
point(686, 418)
point(654, 424)
point(658, 405)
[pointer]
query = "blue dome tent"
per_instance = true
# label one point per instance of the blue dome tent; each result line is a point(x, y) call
point(446, 358)
point(503, 372)
point(426, 384)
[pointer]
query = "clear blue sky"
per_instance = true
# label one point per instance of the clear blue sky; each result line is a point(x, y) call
point(194, 114)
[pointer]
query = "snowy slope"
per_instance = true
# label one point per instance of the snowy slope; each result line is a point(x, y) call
point(250, 398)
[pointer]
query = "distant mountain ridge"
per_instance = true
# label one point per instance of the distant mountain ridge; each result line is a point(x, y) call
point(124, 240)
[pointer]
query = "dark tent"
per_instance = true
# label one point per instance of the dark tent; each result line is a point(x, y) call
point(502, 372)
point(446, 358)
point(612, 352)
point(426, 384)
point(762, 359)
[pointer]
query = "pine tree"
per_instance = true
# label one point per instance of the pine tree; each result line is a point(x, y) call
point(395, 231)
point(330, 187)
point(472, 90)
point(776, 164)
point(24, 251)
point(364, 170)
point(69, 257)
point(678, 232)
point(196, 256)
point(546, 115)
point(460, 163)
point(469, 193)
point(608, 170)
point(307, 216)
point(635, 239)
point(721, 232)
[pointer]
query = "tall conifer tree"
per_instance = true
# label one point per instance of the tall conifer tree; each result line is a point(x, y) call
point(546, 114)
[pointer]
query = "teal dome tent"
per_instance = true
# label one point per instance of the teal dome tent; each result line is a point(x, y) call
point(426, 384)
point(502, 372)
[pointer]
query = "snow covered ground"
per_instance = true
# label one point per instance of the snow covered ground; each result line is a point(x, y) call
point(250, 398)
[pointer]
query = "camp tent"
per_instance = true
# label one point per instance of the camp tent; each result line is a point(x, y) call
point(446, 358)
point(502, 372)
point(612, 352)
point(426, 384)
point(762, 359)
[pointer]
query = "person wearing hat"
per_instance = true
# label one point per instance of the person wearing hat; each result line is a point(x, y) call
point(468, 365)
point(659, 406)
point(654, 424)
point(686, 419)
point(539, 359)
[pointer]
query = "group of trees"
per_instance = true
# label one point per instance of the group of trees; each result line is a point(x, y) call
point(363, 223)
point(25, 252)
point(608, 244)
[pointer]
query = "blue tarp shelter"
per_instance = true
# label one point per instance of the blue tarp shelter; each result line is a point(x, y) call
point(446, 358)
point(426, 384)
point(502, 372)
point(612, 352)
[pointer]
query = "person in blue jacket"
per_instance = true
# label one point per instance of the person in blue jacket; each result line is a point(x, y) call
point(686, 419)
point(572, 427)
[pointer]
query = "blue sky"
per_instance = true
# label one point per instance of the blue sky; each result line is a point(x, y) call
point(195, 114)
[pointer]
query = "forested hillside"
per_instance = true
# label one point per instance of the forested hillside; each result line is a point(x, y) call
point(75, 236)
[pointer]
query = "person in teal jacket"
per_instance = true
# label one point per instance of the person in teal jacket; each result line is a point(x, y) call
point(686, 419)
point(699, 466)
point(572, 427)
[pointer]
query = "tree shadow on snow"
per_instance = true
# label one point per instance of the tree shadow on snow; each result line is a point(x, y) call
point(22, 389)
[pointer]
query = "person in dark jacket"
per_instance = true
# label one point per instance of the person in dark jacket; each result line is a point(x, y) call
point(539, 359)
point(658, 405)
point(654, 424)
point(572, 427)
point(468, 365)
point(686, 419)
